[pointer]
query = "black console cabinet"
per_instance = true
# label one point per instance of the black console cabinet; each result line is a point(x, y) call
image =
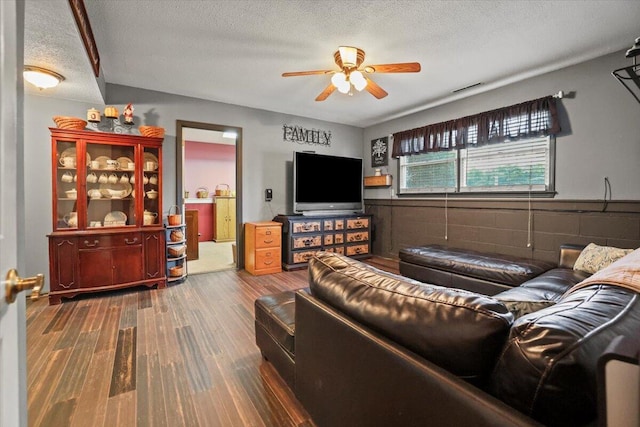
point(302, 236)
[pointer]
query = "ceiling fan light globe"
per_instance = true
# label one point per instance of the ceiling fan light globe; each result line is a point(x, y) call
point(344, 87)
point(338, 79)
point(357, 80)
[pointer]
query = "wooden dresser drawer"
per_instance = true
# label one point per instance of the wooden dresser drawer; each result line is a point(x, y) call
point(306, 242)
point(356, 223)
point(305, 226)
point(303, 256)
point(360, 236)
point(336, 249)
point(268, 237)
point(357, 250)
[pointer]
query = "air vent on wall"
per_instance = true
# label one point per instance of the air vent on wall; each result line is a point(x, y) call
point(466, 87)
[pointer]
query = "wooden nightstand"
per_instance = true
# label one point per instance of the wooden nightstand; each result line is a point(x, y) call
point(262, 250)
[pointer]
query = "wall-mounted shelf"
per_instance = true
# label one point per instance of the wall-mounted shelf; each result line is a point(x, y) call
point(378, 181)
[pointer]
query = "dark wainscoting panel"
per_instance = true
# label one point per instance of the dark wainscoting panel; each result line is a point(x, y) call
point(502, 225)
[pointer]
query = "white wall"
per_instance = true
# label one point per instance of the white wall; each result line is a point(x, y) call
point(265, 156)
point(600, 128)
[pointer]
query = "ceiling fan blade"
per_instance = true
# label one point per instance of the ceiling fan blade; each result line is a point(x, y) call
point(405, 67)
point(307, 73)
point(326, 92)
point(375, 90)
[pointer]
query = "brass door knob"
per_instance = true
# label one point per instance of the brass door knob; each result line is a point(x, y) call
point(15, 284)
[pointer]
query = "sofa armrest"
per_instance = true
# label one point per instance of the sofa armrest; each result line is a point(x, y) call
point(349, 375)
point(569, 253)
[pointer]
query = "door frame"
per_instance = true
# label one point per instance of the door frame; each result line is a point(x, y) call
point(180, 124)
point(13, 343)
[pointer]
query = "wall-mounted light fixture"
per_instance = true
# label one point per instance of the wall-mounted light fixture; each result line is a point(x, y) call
point(41, 77)
point(630, 76)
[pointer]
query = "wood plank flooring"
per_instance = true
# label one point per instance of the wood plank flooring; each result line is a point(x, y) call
point(180, 356)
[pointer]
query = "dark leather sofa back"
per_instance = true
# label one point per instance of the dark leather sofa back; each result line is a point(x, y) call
point(548, 367)
point(498, 268)
point(458, 330)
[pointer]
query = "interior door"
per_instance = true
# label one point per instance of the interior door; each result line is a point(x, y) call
point(13, 389)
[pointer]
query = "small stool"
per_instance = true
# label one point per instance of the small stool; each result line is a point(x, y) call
point(275, 332)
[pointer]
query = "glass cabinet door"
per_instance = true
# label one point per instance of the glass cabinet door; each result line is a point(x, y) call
point(67, 167)
point(151, 180)
point(110, 183)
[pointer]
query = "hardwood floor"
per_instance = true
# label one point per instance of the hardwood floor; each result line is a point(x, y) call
point(181, 356)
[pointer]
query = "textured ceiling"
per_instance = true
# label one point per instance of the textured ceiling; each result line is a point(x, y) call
point(235, 51)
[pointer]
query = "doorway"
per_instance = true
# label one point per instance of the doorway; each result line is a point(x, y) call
point(219, 218)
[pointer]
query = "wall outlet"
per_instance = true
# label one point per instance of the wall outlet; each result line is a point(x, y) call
point(268, 195)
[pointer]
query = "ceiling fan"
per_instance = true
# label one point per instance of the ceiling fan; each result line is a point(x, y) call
point(349, 59)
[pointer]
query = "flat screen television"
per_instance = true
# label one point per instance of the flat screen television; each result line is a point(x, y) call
point(325, 184)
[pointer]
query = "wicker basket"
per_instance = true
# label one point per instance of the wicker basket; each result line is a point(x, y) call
point(174, 219)
point(176, 271)
point(202, 193)
point(220, 191)
point(64, 122)
point(152, 131)
point(176, 251)
point(176, 236)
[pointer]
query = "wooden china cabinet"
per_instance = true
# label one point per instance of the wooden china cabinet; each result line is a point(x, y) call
point(107, 213)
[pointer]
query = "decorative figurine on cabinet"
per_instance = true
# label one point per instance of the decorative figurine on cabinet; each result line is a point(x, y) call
point(128, 114)
point(111, 112)
point(93, 115)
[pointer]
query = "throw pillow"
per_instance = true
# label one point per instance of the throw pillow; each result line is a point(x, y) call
point(594, 258)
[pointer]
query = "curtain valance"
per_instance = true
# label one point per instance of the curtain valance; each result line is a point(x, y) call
point(526, 120)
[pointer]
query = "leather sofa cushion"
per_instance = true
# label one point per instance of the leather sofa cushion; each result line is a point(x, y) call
point(276, 314)
point(461, 331)
point(548, 367)
point(505, 269)
point(540, 292)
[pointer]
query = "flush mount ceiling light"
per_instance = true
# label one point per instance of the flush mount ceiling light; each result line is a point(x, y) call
point(41, 77)
point(349, 59)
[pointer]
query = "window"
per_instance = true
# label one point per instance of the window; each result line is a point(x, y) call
point(513, 166)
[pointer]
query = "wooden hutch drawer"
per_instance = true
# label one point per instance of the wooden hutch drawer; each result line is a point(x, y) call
point(360, 236)
point(357, 250)
point(305, 226)
point(109, 241)
point(307, 242)
point(357, 223)
point(268, 237)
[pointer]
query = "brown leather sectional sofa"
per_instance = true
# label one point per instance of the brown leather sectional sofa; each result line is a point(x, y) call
point(369, 348)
